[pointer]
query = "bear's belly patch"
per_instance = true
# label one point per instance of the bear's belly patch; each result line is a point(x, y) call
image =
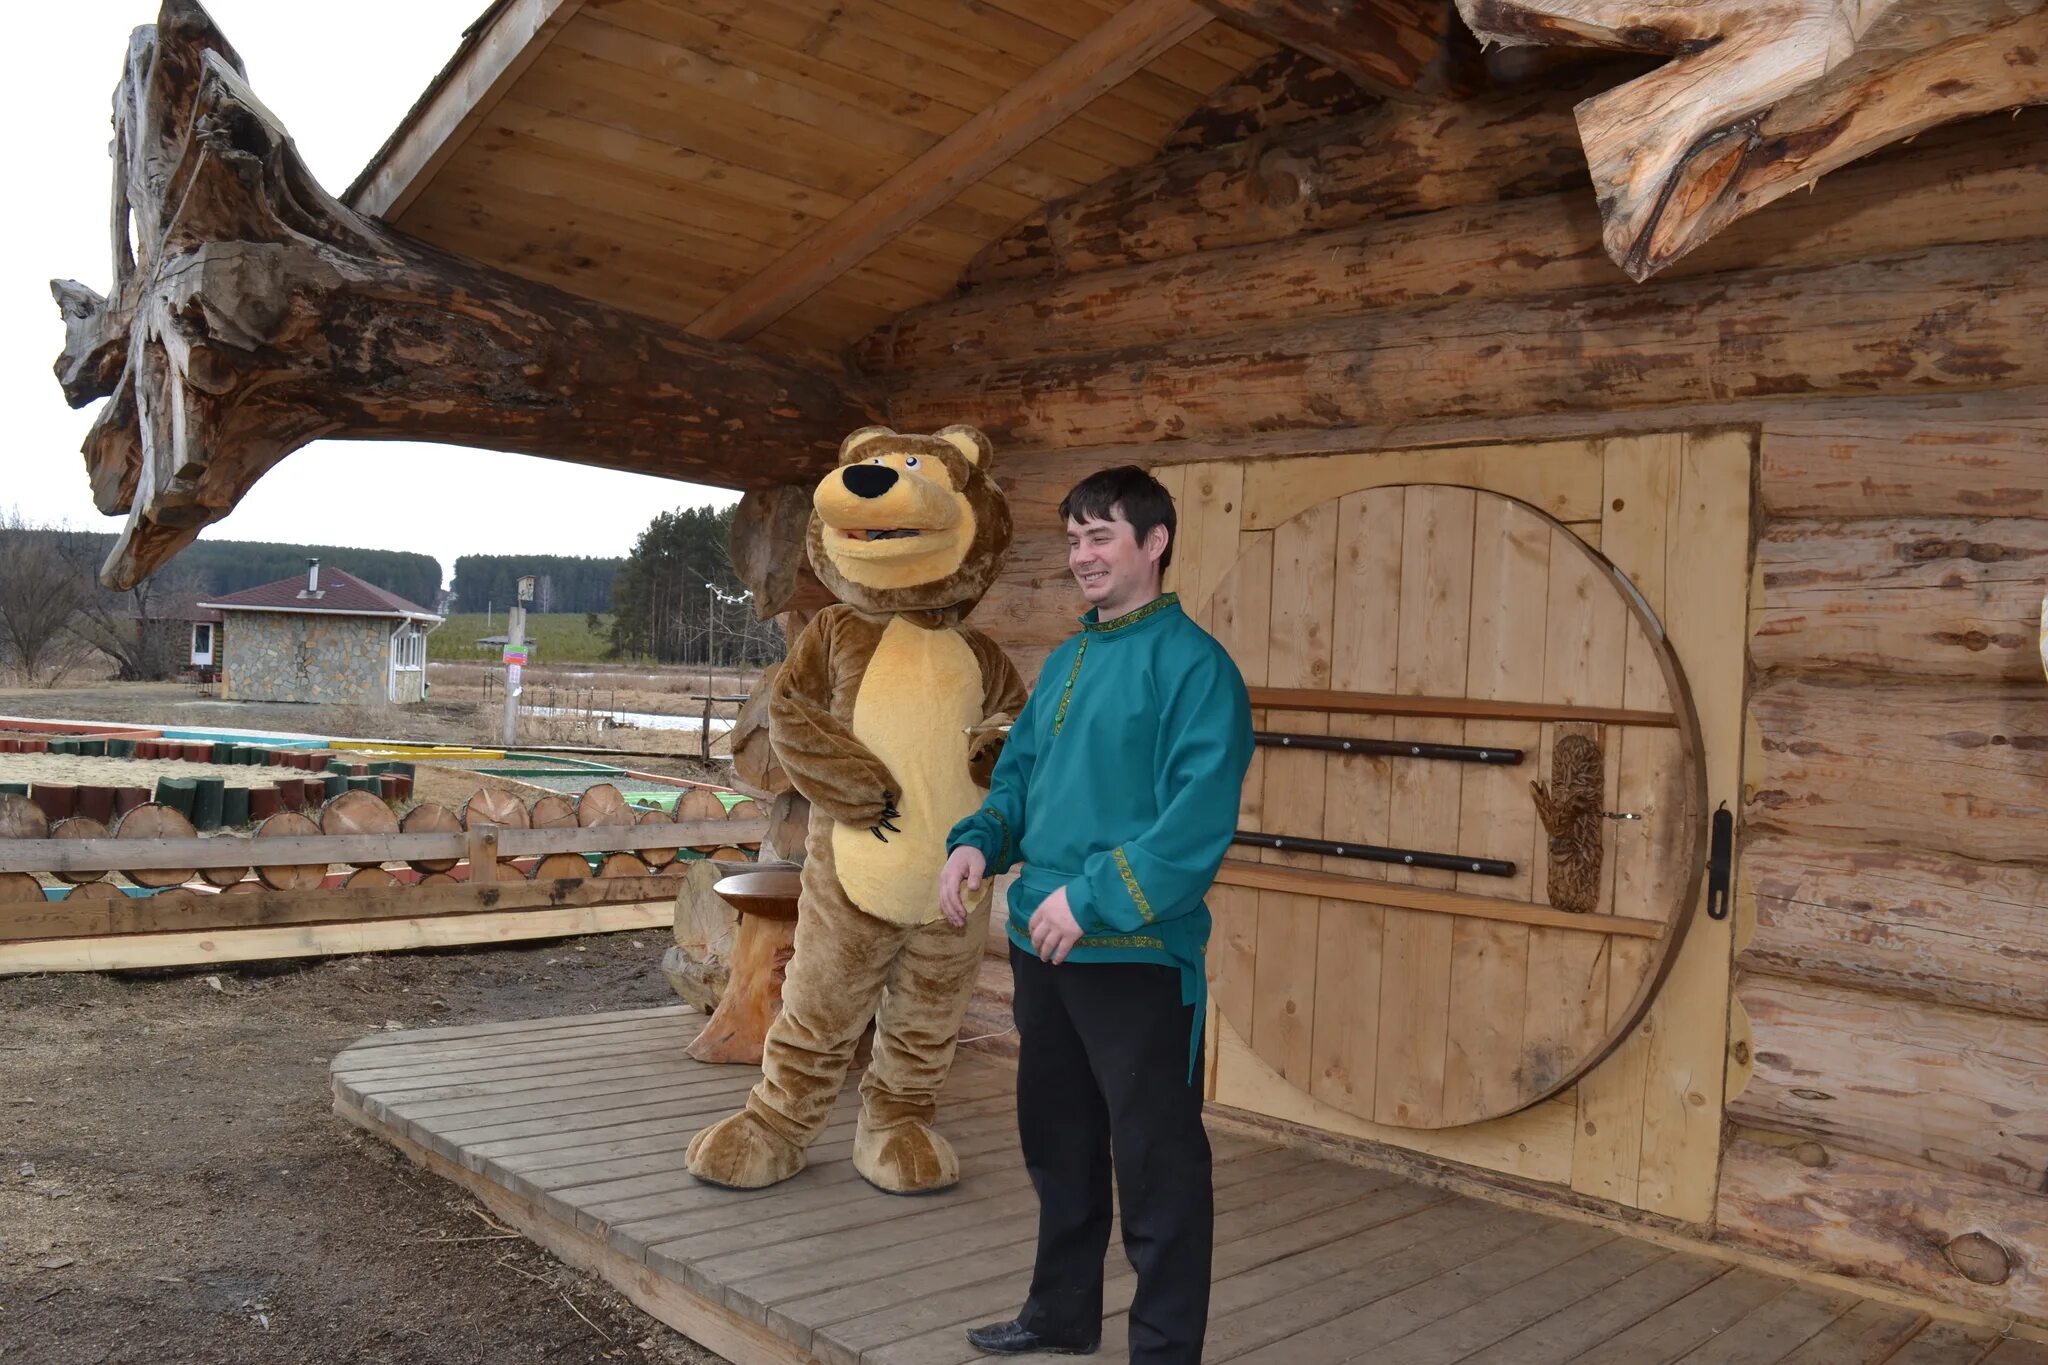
point(922, 690)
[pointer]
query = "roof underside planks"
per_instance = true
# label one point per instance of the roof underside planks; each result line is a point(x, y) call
point(658, 155)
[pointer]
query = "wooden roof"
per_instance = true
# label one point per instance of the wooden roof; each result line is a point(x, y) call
point(690, 159)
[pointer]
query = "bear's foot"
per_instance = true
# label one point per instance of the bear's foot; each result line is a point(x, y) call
point(904, 1158)
point(741, 1152)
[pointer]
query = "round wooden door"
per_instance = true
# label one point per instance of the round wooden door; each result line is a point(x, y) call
point(1421, 995)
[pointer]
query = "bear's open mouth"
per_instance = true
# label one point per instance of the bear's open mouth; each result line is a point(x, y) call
point(896, 533)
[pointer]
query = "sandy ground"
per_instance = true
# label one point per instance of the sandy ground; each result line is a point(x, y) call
point(129, 772)
point(174, 1188)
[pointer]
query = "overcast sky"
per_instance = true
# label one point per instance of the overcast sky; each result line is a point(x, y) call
point(340, 76)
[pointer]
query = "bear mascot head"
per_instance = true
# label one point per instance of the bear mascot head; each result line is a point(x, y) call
point(910, 523)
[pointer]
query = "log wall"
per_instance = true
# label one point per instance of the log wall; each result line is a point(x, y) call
point(1427, 284)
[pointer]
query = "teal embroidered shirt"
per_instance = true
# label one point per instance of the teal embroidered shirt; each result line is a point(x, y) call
point(1120, 782)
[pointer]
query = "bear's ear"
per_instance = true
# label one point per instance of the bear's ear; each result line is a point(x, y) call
point(854, 442)
point(970, 443)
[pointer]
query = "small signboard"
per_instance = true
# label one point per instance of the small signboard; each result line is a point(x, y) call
point(515, 656)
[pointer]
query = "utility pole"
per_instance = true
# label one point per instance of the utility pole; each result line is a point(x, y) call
point(515, 658)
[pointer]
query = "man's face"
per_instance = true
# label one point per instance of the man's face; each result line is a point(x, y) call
point(1117, 574)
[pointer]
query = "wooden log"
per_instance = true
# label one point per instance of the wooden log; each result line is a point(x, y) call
point(561, 866)
point(17, 889)
point(657, 857)
point(1766, 96)
point(553, 812)
point(361, 814)
point(1286, 88)
point(226, 876)
point(1872, 1219)
point(753, 755)
point(1948, 597)
point(1942, 767)
point(1381, 164)
point(603, 806)
point(1832, 1064)
point(789, 824)
point(79, 827)
point(493, 807)
point(1965, 317)
point(705, 923)
point(1928, 927)
point(623, 865)
point(1403, 49)
point(21, 818)
point(768, 550)
point(254, 312)
point(369, 879)
point(289, 876)
point(153, 822)
point(1957, 455)
point(1962, 188)
point(430, 817)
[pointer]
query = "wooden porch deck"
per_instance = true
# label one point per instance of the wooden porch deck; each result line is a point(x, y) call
point(573, 1130)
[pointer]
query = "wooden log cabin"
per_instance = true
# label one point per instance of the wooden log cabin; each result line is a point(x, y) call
point(1517, 393)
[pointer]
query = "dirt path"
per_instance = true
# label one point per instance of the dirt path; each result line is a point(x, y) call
point(174, 1188)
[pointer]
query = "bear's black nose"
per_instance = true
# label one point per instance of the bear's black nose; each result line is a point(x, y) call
point(869, 480)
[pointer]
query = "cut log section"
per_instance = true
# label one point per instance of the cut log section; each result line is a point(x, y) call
point(225, 876)
point(769, 550)
point(155, 821)
point(789, 823)
point(753, 756)
point(21, 818)
point(552, 812)
point(369, 879)
point(657, 857)
point(253, 312)
point(561, 867)
point(289, 877)
point(622, 865)
point(94, 891)
point(18, 888)
point(79, 827)
point(431, 818)
point(490, 807)
point(357, 812)
point(603, 805)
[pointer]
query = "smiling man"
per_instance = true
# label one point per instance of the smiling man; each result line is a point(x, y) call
point(1118, 791)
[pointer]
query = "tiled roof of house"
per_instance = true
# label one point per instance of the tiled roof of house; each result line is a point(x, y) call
point(340, 591)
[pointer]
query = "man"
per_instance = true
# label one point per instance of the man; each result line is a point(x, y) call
point(1118, 790)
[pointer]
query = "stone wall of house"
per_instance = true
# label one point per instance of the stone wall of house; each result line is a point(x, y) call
point(278, 656)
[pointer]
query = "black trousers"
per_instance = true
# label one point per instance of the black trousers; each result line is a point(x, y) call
point(1102, 1069)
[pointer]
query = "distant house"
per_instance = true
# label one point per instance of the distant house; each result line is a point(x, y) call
point(327, 637)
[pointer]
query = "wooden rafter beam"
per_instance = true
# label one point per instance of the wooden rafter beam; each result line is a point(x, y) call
point(501, 45)
point(1402, 49)
point(1125, 43)
point(1763, 97)
point(252, 313)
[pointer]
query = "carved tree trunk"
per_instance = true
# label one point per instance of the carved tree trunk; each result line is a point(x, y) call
point(1764, 97)
point(769, 552)
point(252, 313)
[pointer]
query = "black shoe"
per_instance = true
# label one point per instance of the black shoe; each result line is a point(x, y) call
point(1013, 1338)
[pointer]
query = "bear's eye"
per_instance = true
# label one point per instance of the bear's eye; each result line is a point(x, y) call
point(910, 462)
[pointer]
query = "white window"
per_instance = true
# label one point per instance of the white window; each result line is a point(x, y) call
point(409, 650)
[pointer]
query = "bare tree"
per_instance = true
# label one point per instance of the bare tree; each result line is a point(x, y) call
point(44, 584)
point(144, 630)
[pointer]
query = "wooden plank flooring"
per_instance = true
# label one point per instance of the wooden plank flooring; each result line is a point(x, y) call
point(573, 1129)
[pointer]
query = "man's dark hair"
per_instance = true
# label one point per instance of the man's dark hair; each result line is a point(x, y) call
point(1127, 491)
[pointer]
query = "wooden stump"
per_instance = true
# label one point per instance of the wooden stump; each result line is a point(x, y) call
point(490, 807)
point(368, 879)
point(21, 818)
point(438, 879)
point(358, 812)
point(18, 888)
point(430, 818)
point(766, 937)
point(156, 822)
point(103, 892)
point(79, 827)
point(225, 876)
point(657, 857)
point(290, 877)
point(622, 865)
point(603, 804)
point(753, 757)
point(553, 812)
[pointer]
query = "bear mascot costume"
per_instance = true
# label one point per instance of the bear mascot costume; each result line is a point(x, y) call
point(885, 717)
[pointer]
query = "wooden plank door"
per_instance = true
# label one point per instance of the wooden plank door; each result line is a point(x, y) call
point(1456, 997)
